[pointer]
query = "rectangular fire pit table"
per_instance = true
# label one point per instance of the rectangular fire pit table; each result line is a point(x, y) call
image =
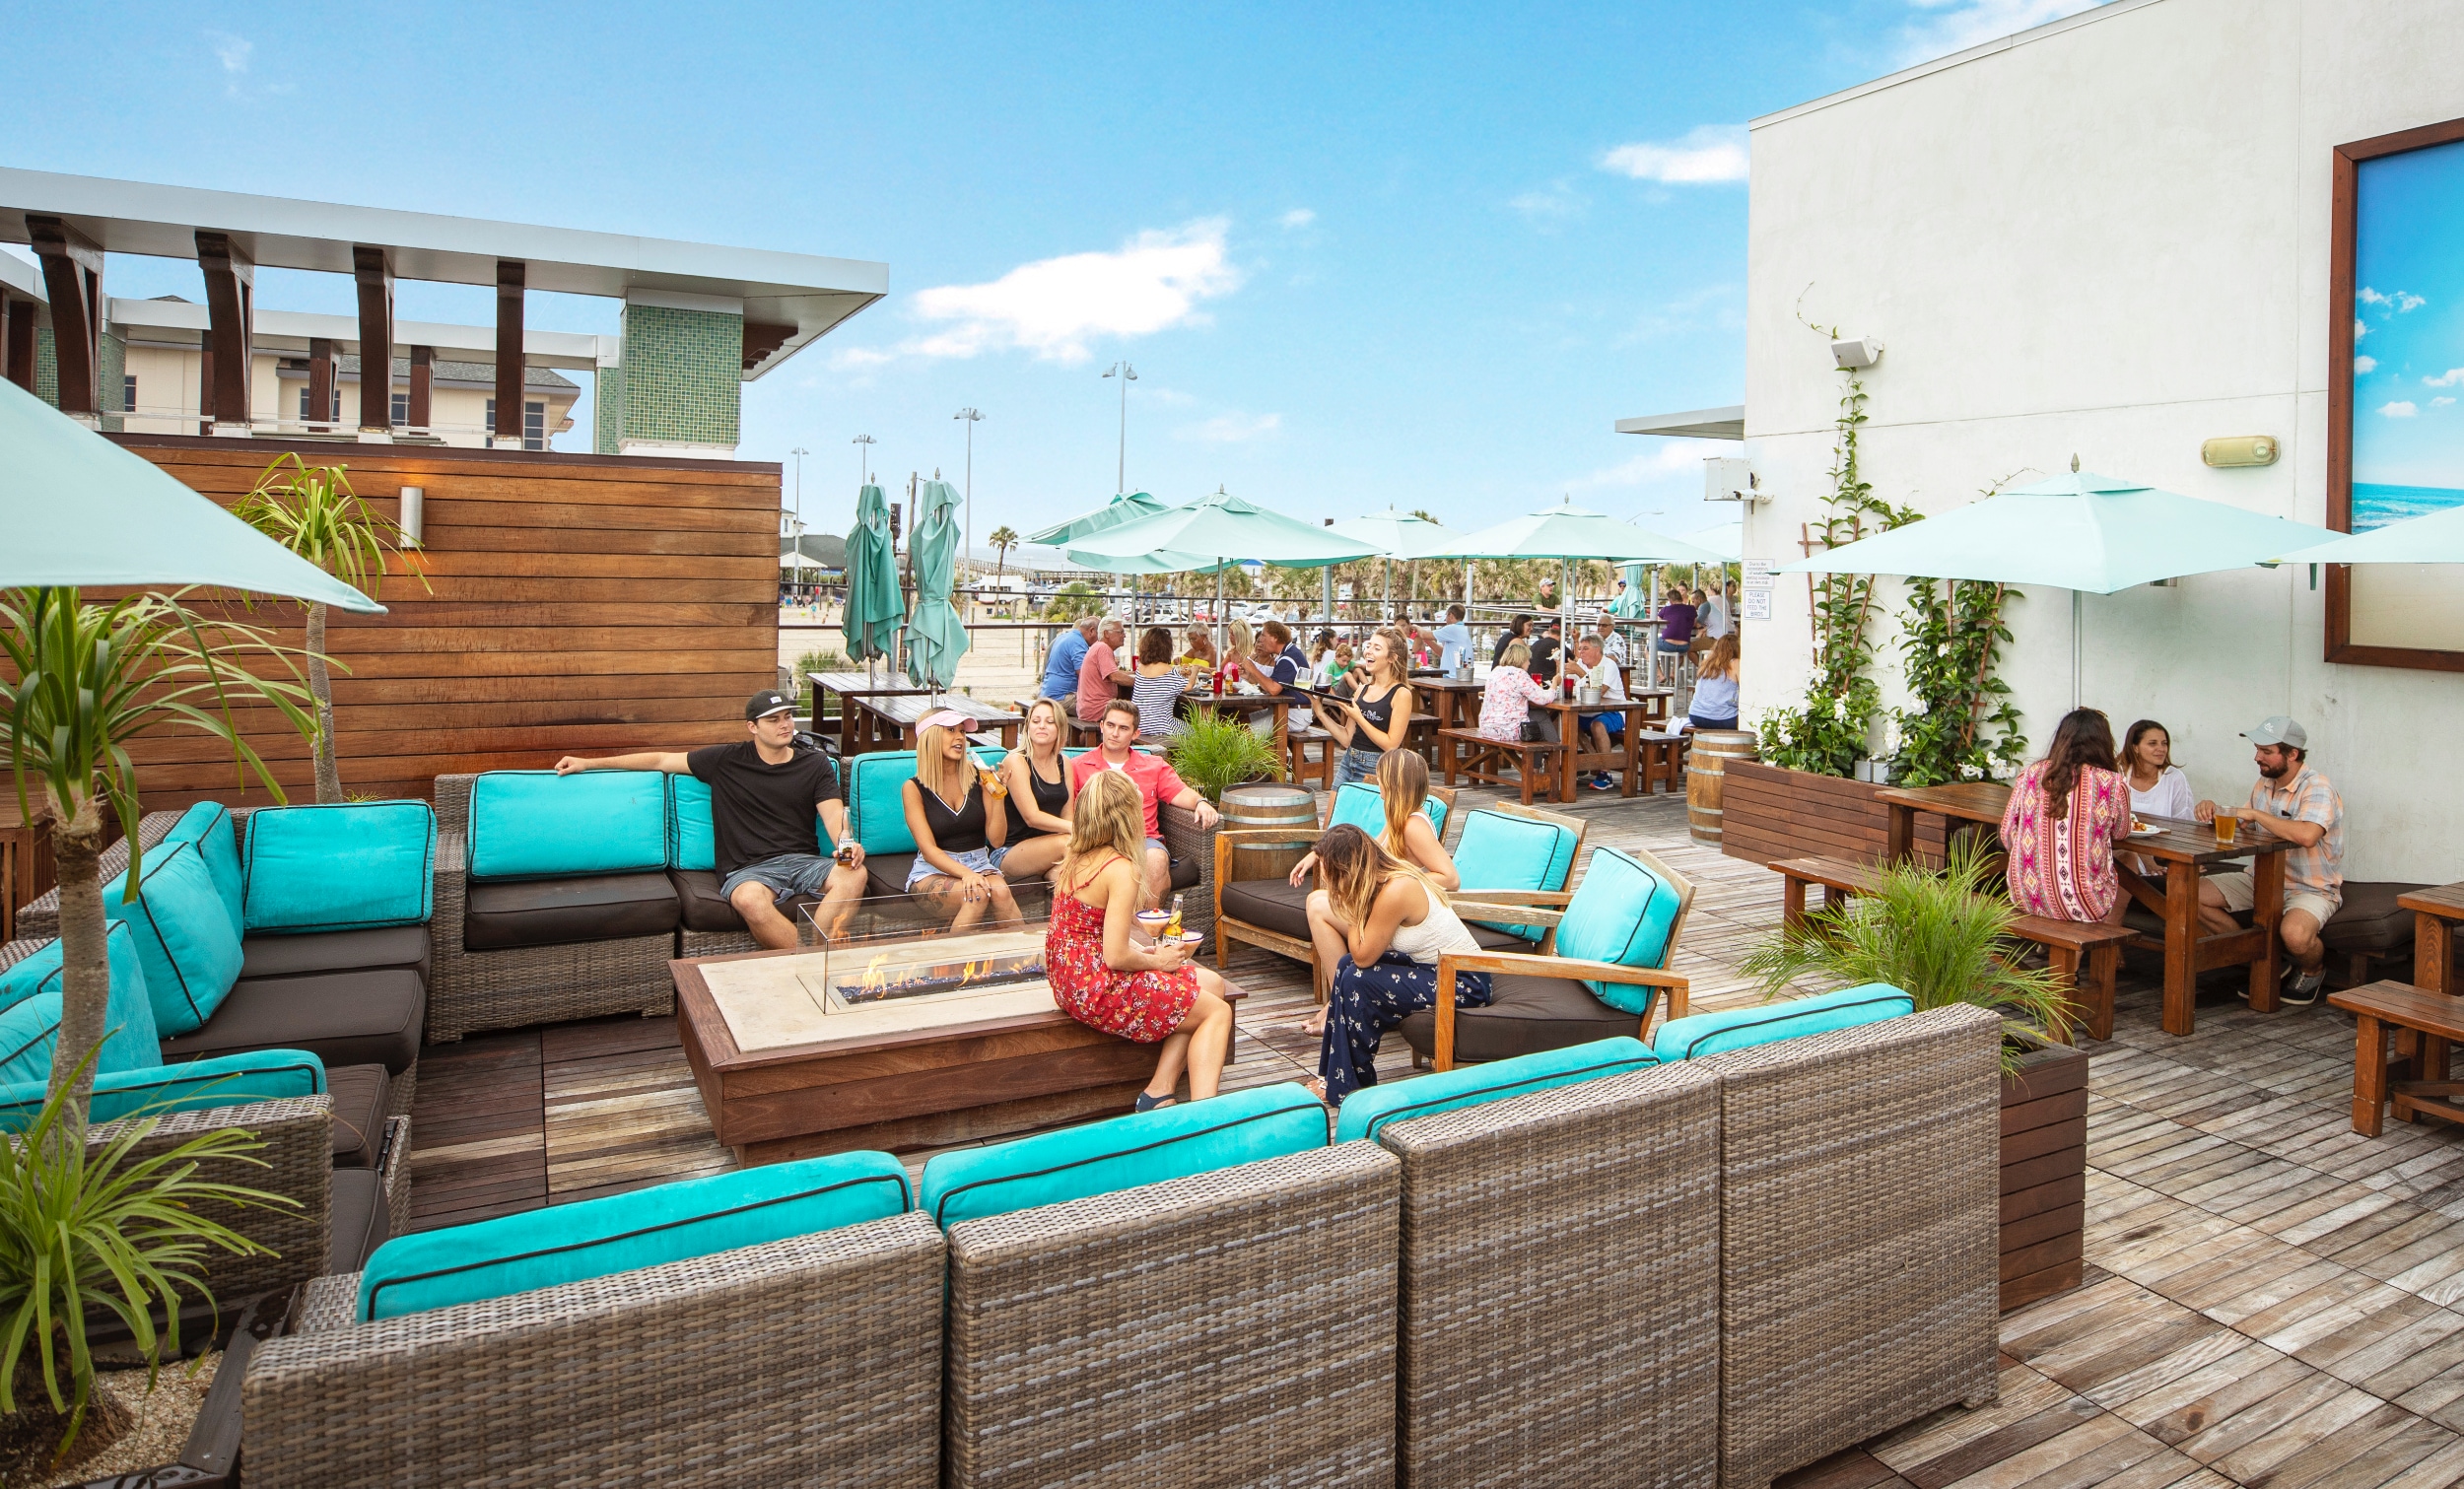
point(819, 1050)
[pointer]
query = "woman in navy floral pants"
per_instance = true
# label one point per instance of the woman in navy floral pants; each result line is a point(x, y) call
point(1394, 925)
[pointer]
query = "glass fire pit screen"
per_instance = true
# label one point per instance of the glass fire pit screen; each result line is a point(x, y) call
point(854, 974)
point(864, 987)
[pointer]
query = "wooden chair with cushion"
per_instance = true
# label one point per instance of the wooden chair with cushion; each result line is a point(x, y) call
point(1600, 971)
point(1273, 912)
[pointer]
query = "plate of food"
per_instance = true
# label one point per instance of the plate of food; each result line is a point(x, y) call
point(2140, 829)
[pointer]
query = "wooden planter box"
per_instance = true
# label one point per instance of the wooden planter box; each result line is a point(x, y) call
point(1770, 813)
point(2044, 1174)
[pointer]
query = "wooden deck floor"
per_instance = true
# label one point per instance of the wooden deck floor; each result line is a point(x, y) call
point(2271, 1299)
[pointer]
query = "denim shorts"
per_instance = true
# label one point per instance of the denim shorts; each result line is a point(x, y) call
point(1354, 765)
point(982, 860)
point(787, 874)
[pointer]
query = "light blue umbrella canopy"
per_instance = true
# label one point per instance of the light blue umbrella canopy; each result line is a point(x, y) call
point(874, 610)
point(936, 635)
point(1128, 507)
point(2438, 538)
point(1220, 527)
point(1568, 532)
point(1396, 534)
point(76, 510)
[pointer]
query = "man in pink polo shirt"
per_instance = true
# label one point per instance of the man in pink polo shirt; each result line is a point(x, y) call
point(1101, 677)
point(1156, 785)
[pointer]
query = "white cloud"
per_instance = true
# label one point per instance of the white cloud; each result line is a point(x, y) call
point(1958, 25)
point(2359, 329)
point(2404, 300)
point(1231, 429)
point(1298, 217)
point(2452, 378)
point(2398, 409)
point(2442, 401)
point(232, 51)
point(1708, 153)
point(1548, 208)
point(2362, 365)
point(1055, 306)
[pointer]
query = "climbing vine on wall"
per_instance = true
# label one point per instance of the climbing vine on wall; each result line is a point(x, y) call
point(1962, 724)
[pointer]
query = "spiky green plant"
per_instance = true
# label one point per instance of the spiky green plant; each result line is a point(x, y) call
point(97, 1229)
point(1216, 754)
point(1942, 937)
point(314, 512)
point(90, 679)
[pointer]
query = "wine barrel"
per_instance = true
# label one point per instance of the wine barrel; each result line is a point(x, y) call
point(1265, 804)
point(1706, 761)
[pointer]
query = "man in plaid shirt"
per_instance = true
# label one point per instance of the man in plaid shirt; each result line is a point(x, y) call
point(2291, 800)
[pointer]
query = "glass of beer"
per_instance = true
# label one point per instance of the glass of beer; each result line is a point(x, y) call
point(2226, 827)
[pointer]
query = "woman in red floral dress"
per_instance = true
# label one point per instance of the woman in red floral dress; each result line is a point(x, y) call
point(1101, 977)
point(2065, 812)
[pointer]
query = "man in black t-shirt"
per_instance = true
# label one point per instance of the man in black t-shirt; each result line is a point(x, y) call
point(1544, 650)
point(764, 794)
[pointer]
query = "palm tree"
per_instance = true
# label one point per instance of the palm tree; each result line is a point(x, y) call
point(1003, 541)
point(91, 678)
point(316, 515)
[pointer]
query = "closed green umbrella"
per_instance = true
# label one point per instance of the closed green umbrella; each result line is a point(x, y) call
point(874, 609)
point(1126, 507)
point(78, 511)
point(936, 635)
point(1635, 603)
point(2080, 531)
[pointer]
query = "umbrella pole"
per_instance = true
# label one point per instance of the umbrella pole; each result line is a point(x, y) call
point(2078, 627)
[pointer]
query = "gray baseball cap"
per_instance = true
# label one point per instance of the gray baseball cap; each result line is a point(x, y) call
point(2279, 730)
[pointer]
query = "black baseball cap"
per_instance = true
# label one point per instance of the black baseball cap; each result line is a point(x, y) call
point(767, 702)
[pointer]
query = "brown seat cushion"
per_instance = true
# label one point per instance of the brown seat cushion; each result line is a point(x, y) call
point(343, 1018)
point(1186, 873)
point(885, 874)
point(264, 956)
point(360, 1223)
point(359, 1098)
point(2371, 920)
point(705, 909)
point(1275, 905)
point(1526, 1015)
point(500, 915)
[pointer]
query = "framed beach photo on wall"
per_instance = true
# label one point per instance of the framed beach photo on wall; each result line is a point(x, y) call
point(2396, 390)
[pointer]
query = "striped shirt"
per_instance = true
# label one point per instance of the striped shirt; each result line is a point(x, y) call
point(2307, 797)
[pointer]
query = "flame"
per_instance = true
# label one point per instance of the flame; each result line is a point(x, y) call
point(874, 976)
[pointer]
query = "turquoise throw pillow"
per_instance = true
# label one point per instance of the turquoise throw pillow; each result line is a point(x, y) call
point(184, 936)
point(129, 1041)
point(27, 1033)
point(691, 836)
point(1500, 850)
point(1742, 1028)
point(1361, 804)
point(1623, 913)
point(538, 825)
point(671, 1222)
point(208, 825)
point(229, 1080)
point(1102, 1158)
point(1369, 1110)
point(344, 867)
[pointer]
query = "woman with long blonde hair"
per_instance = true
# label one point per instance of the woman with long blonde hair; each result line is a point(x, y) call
point(1103, 975)
point(1038, 804)
point(1378, 715)
point(959, 844)
point(1393, 926)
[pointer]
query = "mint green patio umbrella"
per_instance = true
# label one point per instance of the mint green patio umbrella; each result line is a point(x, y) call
point(1397, 536)
point(1567, 533)
point(2080, 531)
point(78, 511)
point(874, 610)
point(1635, 603)
point(2438, 538)
point(1215, 533)
point(1128, 507)
point(936, 637)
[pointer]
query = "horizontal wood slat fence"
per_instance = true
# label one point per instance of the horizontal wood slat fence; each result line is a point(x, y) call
point(591, 603)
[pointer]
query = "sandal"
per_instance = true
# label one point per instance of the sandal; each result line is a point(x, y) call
point(1146, 1102)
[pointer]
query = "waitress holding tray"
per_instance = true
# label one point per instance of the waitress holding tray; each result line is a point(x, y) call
point(1378, 715)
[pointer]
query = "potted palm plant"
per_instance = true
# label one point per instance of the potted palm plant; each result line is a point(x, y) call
point(314, 512)
point(1944, 936)
point(1216, 754)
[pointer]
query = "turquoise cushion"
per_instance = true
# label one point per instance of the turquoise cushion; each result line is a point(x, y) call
point(1361, 804)
point(349, 866)
point(1101, 1158)
point(1744, 1028)
point(538, 823)
point(27, 1032)
point(229, 1080)
point(1498, 850)
point(671, 1222)
point(1623, 913)
point(184, 936)
point(1367, 1112)
point(208, 825)
point(692, 841)
point(875, 803)
point(129, 1041)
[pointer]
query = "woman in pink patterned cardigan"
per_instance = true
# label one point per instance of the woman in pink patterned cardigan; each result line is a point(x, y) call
point(2065, 814)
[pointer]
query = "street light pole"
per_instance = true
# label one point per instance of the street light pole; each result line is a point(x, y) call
point(971, 418)
point(1129, 374)
point(863, 458)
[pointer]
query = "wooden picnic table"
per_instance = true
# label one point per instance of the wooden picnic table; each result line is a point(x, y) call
point(899, 716)
point(851, 687)
point(2175, 899)
point(1249, 702)
point(1623, 761)
point(1453, 702)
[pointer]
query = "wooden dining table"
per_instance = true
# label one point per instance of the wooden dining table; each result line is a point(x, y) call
point(851, 687)
point(2173, 897)
point(1624, 755)
point(1242, 704)
point(899, 718)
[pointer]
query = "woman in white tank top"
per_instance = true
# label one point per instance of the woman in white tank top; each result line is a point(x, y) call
point(1395, 926)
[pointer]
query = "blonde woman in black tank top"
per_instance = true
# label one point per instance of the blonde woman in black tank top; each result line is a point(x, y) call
point(1379, 716)
point(1039, 802)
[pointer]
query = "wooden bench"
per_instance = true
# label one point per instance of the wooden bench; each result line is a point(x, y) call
point(1660, 759)
point(1839, 878)
point(1482, 759)
point(2435, 1019)
point(2086, 953)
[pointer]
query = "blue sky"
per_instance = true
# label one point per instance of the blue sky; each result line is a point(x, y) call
point(1359, 255)
point(2409, 356)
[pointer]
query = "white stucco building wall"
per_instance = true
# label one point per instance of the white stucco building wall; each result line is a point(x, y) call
point(2107, 236)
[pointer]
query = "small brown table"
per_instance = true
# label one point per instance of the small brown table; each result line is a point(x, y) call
point(1249, 702)
point(852, 685)
point(2436, 912)
point(1453, 702)
point(898, 718)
